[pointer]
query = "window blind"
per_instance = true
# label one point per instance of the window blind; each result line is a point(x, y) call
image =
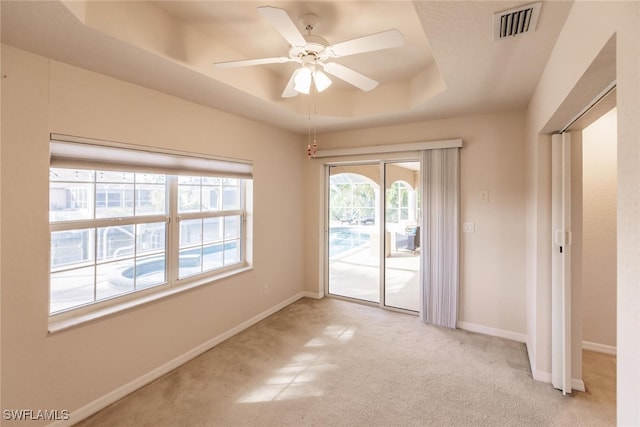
point(73, 152)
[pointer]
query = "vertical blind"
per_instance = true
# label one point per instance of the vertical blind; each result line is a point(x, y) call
point(440, 236)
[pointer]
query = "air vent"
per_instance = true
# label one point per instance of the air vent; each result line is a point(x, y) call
point(517, 21)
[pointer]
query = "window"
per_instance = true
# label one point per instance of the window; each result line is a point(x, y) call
point(210, 227)
point(118, 230)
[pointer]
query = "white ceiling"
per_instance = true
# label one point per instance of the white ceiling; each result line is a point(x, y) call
point(449, 64)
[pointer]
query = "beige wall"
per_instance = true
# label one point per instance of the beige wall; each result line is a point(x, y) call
point(588, 29)
point(1, 324)
point(599, 147)
point(72, 368)
point(492, 292)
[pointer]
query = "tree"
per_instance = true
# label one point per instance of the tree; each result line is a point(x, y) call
point(351, 200)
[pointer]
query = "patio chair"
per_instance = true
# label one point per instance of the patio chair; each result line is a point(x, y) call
point(409, 240)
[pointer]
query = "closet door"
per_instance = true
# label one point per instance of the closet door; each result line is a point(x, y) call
point(561, 263)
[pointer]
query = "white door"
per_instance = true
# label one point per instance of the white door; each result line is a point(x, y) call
point(561, 263)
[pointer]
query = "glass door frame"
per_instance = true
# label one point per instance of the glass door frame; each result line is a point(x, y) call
point(382, 215)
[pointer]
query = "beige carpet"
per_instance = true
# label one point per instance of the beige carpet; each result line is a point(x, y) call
point(333, 363)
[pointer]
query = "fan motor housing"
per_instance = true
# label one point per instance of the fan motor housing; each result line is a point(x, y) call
point(315, 47)
point(314, 50)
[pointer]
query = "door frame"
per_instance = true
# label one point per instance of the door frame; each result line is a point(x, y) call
point(380, 162)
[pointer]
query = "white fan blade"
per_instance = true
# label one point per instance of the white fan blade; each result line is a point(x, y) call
point(283, 23)
point(289, 90)
point(352, 77)
point(248, 62)
point(384, 40)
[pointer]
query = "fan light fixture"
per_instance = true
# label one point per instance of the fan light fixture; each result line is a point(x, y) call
point(321, 80)
point(302, 80)
point(305, 75)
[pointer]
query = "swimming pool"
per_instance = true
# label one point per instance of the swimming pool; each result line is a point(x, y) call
point(343, 239)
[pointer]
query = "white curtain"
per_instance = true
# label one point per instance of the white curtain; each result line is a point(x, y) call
point(440, 188)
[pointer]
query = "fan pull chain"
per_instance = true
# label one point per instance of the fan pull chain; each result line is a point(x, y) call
point(312, 149)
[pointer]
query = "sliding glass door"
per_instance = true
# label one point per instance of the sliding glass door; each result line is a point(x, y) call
point(402, 226)
point(354, 245)
point(374, 253)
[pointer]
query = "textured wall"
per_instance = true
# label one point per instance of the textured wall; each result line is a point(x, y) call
point(492, 291)
point(599, 145)
point(590, 26)
point(72, 368)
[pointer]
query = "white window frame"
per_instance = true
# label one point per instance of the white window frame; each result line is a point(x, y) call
point(82, 153)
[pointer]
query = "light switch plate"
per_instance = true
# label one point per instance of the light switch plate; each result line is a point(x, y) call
point(484, 196)
point(468, 227)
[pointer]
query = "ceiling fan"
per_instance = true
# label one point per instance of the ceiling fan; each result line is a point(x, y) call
point(314, 53)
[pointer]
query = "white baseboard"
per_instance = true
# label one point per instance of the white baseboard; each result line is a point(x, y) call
point(501, 333)
point(600, 348)
point(545, 377)
point(117, 394)
point(314, 295)
point(542, 376)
